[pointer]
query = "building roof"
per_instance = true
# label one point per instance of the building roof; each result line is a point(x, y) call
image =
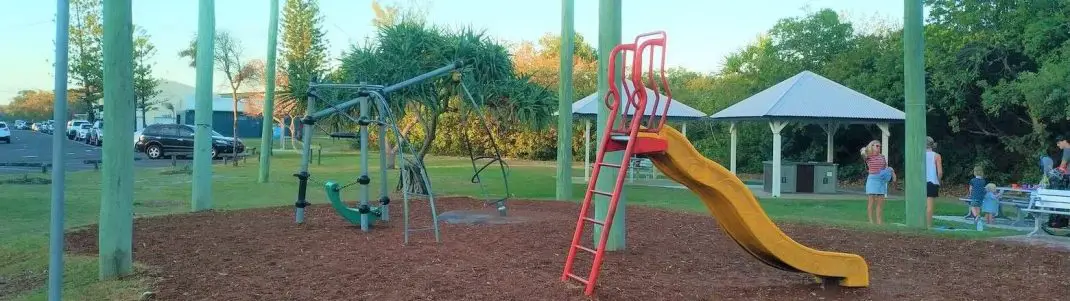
point(588, 106)
point(219, 104)
point(810, 97)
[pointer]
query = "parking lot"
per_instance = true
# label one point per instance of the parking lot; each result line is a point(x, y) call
point(28, 147)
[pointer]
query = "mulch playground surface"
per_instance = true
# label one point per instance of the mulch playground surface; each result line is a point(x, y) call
point(262, 254)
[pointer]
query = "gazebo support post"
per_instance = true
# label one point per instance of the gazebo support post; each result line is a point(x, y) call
point(830, 129)
point(733, 131)
point(586, 150)
point(885, 133)
point(776, 127)
point(683, 129)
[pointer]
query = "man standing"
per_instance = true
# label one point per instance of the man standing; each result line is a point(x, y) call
point(1060, 141)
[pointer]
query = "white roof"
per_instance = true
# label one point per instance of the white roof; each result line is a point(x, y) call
point(811, 97)
point(219, 104)
point(677, 110)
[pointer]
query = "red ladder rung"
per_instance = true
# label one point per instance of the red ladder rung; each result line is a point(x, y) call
point(602, 193)
point(592, 251)
point(578, 278)
point(609, 165)
point(594, 221)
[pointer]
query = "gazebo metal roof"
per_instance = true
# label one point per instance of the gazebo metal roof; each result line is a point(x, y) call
point(812, 98)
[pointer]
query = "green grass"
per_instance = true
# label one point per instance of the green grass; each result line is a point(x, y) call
point(25, 208)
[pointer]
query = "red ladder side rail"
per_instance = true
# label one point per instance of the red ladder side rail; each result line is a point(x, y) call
point(653, 40)
point(629, 90)
point(629, 151)
point(613, 101)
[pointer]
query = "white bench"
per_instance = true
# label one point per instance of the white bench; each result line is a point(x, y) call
point(1048, 201)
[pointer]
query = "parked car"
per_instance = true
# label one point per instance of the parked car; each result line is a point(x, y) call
point(159, 139)
point(83, 132)
point(5, 133)
point(73, 126)
point(96, 134)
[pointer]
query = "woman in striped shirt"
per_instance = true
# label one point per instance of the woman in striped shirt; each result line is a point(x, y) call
point(876, 183)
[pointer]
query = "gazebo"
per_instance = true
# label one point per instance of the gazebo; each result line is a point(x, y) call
point(587, 109)
point(808, 98)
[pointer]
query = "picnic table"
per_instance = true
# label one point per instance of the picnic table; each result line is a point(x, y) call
point(1010, 196)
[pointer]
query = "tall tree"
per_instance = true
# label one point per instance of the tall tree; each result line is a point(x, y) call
point(37, 104)
point(146, 86)
point(238, 71)
point(409, 48)
point(86, 53)
point(303, 54)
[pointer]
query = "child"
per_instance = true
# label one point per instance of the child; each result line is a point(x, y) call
point(977, 192)
point(990, 205)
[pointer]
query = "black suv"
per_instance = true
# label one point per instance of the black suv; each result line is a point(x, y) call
point(159, 139)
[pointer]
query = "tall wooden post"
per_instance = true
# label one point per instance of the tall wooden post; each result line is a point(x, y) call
point(609, 19)
point(266, 134)
point(115, 233)
point(564, 105)
point(914, 82)
point(202, 140)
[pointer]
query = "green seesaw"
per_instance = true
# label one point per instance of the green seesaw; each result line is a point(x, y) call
point(350, 214)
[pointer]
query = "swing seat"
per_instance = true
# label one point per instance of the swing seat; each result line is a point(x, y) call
point(345, 135)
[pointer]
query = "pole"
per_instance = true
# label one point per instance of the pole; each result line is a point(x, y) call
point(384, 193)
point(266, 134)
point(59, 116)
point(564, 103)
point(306, 158)
point(609, 19)
point(202, 140)
point(115, 232)
point(365, 193)
point(914, 85)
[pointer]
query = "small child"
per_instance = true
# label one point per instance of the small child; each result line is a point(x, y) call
point(990, 205)
point(977, 192)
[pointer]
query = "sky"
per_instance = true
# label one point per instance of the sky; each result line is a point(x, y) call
point(700, 32)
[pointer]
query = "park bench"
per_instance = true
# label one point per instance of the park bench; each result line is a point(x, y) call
point(1050, 202)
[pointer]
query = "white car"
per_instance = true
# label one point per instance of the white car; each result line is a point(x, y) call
point(5, 132)
point(73, 126)
point(82, 133)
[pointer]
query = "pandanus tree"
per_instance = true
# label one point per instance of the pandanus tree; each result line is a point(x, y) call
point(409, 48)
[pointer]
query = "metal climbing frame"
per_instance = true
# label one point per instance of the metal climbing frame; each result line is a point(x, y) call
point(498, 203)
point(385, 119)
point(624, 136)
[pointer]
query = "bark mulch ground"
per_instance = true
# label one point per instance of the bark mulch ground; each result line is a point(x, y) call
point(262, 255)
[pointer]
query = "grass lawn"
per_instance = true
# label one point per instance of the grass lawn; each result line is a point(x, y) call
point(25, 209)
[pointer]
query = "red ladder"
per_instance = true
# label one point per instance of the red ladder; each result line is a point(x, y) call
point(623, 137)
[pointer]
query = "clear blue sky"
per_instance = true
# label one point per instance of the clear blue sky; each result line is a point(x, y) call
point(701, 32)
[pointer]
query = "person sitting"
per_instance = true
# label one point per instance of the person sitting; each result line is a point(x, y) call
point(977, 192)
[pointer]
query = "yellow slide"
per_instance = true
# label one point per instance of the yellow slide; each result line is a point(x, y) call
point(738, 212)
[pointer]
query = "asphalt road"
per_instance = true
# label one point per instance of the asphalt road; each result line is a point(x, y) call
point(33, 147)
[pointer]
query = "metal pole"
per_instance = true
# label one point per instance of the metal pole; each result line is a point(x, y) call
point(306, 158)
point(266, 134)
point(365, 193)
point(384, 195)
point(116, 230)
point(564, 103)
point(609, 22)
point(59, 116)
point(914, 85)
point(398, 86)
point(202, 140)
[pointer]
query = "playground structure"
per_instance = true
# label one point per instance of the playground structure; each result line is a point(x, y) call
point(642, 132)
point(374, 98)
point(365, 215)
